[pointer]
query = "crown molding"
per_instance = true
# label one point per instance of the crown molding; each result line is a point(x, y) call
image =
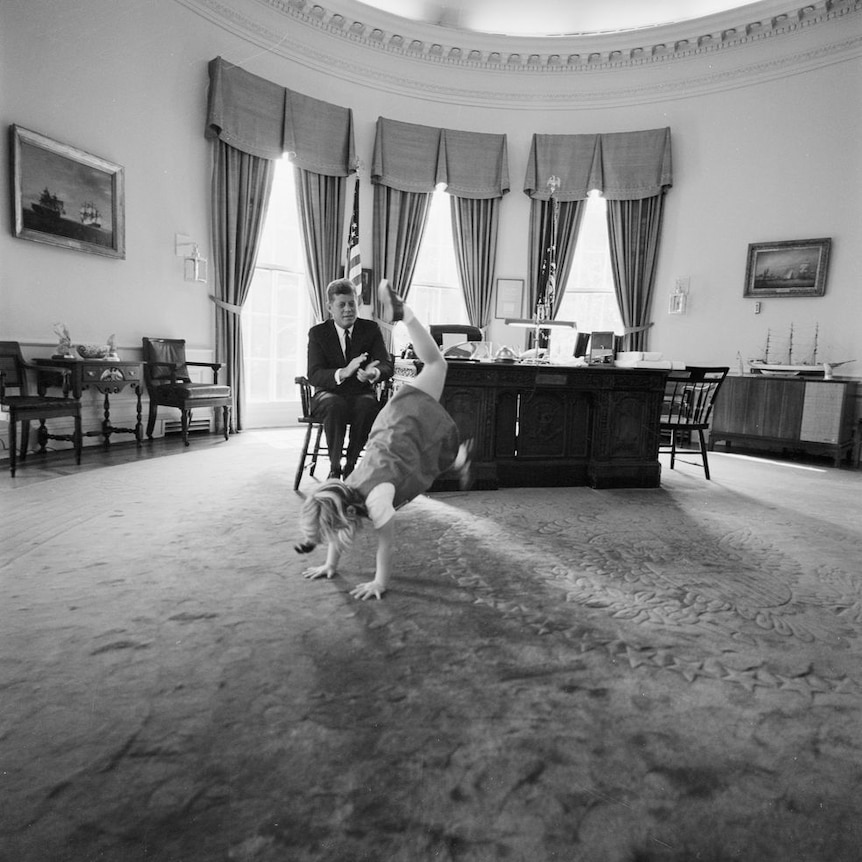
point(594, 70)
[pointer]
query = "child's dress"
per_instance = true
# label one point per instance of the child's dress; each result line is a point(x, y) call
point(413, 440)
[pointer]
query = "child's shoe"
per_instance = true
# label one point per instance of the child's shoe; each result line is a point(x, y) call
point(393, 304)
point(463, 465)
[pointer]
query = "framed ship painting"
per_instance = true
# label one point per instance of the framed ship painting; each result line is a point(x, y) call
point(791, 268)
point(66, 197)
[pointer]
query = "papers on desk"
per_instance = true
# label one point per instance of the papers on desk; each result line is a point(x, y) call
point(646, 359)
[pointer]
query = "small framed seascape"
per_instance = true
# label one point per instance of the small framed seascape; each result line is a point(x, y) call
point(66, 197)
point(789, 268)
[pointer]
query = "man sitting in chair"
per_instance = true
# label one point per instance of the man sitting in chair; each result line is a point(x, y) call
point(346, 358)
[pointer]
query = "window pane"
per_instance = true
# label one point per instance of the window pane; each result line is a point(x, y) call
point(435, 294)
point(589, 299)
point(258, 379)
point(277, 313)
point(436, 262)
point(281, 241)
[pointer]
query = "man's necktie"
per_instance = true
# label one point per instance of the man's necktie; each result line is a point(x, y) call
point(347, 344)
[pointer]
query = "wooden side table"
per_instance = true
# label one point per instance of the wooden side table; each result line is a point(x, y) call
point(106, 376)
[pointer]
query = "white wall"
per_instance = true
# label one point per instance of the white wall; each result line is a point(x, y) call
point(771, 160)
point(120, 80)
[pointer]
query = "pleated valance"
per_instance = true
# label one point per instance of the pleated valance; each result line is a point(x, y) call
point(267, 120)
point(413, 158)
point(621, 165)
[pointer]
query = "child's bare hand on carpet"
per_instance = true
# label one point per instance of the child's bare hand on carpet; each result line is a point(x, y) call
point(315, 572)
point(366, 591)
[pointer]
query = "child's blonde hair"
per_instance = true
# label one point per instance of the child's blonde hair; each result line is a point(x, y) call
point(333, 512)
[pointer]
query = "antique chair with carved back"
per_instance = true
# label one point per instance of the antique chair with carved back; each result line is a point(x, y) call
point(29, 405)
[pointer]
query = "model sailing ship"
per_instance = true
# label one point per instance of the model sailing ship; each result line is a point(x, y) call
point(775, 352)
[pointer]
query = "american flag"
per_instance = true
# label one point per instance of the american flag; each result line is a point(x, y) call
point(353, 266)
point(547, 286)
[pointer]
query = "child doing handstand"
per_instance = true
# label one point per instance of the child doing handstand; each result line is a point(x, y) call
point(413, 440)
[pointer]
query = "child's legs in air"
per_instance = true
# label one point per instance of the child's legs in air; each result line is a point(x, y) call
point(431, 380)
point(432, 377)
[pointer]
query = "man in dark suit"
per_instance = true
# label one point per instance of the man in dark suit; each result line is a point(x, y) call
point(346, 358)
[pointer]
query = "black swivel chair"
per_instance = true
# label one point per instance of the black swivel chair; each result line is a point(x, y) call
point(470, 333)
point(581, 343)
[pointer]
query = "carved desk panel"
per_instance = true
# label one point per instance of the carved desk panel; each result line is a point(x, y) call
point(552, 425)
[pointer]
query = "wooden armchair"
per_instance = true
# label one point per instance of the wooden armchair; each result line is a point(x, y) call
point(27, 406)
point(166, 376)
point(688, 401)
point(311, 453)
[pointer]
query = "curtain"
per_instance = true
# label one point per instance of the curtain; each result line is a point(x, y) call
point(475, 225)
point(631, 168)
point(416, 158)
point(410, 162)
point(321, 202)
point(541, 230)
point(399, 222)
point(634, 228)
point(241, 187)
point(258, 121)
point(621, 165)
point(265, 119)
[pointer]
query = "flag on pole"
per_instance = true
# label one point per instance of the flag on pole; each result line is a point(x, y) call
point(551, 284)
point(353, 265)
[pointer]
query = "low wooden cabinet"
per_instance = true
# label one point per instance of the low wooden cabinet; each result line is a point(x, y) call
point(787, 413)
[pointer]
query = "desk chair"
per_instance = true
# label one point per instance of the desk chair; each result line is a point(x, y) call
point(688, 401)
point(581, 343)
point(313, 426)
point(166, 375)
point(470, 333)
point(26, 406)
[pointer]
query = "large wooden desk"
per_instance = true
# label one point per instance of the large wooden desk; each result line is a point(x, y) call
point(542, 426)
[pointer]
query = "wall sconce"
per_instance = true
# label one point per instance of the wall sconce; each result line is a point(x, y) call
point(679, 297)
point(194, 266)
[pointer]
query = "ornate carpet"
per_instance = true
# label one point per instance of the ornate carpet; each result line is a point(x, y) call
point(607, 676)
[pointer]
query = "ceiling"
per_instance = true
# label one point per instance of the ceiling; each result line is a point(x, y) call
point(550, 17)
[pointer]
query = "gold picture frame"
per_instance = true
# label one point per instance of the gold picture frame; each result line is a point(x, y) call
point(66, 197)
point(787, 268)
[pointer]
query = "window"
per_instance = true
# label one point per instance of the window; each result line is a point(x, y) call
point(435, 294)
point(589, 299)
point(277, 313)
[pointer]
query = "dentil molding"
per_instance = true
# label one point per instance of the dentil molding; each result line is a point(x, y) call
point(602, 69)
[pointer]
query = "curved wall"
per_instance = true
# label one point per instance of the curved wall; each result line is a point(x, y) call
point(764, 126)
